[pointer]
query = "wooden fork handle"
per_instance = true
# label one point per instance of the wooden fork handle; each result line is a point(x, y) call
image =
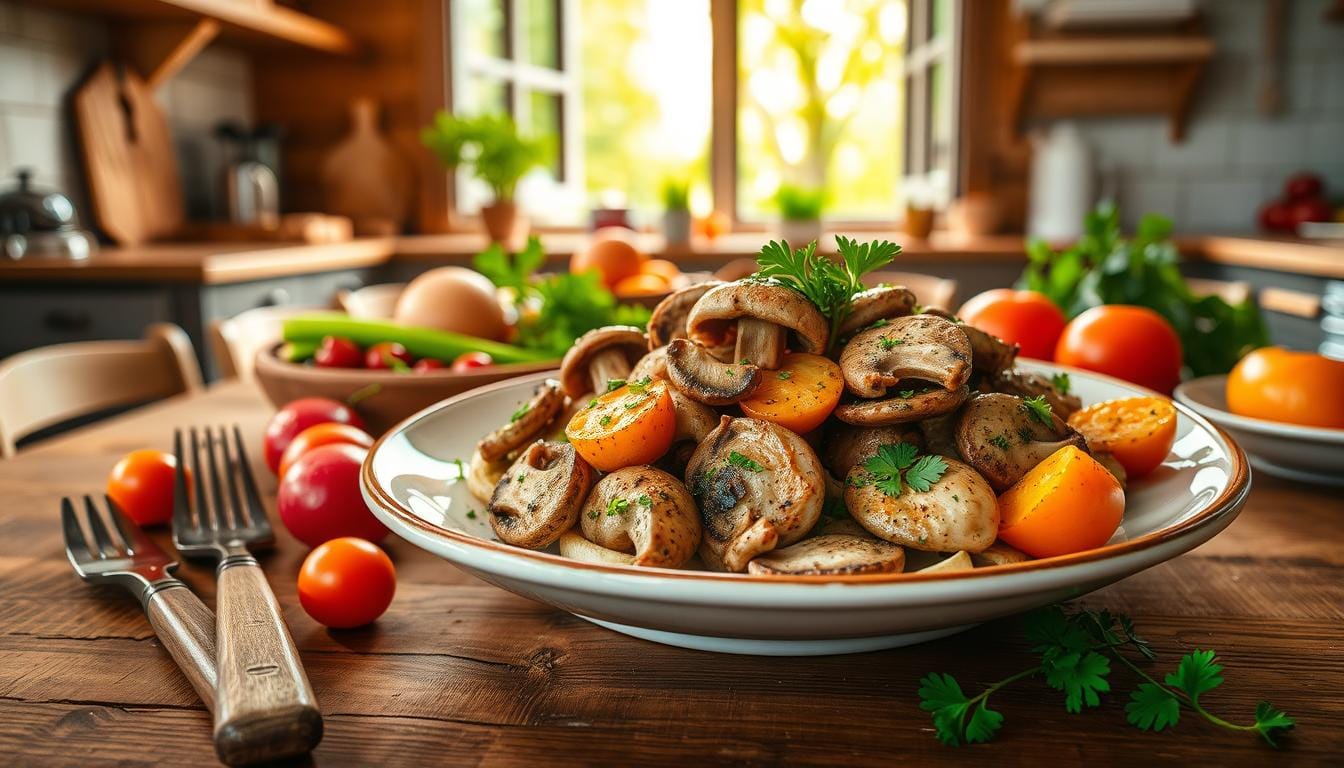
point(186, 627)
point(265, 708)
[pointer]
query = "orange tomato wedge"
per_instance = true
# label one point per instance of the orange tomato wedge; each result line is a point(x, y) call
point(799, 396)
point(1067, 503)
point(1137, 431)
point(627, 426)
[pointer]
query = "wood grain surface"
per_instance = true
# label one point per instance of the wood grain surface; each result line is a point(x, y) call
point(461, 673)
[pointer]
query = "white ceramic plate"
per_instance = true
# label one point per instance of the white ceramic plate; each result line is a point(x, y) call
point(1291, 451)
point(410, 481)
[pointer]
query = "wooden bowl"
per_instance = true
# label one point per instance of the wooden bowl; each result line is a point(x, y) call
point(390, 397)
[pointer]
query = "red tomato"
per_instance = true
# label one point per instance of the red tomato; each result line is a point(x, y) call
point(330, 433)
point(469, 360)
point(1310, 209)
point(1131, 343)
point(387, 354)
point(1277, 216)
point(426, 364)
point(346, 582)
point(300, 415)
point(1026, 318)
point(337, 352)
point(319, 497)
point(141, 484)
point(1301, 186)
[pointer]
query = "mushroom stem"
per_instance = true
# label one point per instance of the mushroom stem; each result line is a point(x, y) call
point(607, 365)
point(760, 343)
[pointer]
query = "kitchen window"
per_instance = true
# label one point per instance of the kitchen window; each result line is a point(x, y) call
point(738, 97)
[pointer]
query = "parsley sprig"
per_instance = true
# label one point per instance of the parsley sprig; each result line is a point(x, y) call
point(1038, 409)
point(1076, 651)
point(897, 461)
point(1061, 383)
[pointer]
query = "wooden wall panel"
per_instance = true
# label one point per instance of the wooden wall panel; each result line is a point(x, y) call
point(993, 158)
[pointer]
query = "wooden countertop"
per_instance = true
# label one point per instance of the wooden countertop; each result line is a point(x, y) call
point(460, 672)
point(213, 263)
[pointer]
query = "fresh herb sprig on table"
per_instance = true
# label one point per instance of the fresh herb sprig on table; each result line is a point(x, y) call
point(827, 283)
point(1076, 651)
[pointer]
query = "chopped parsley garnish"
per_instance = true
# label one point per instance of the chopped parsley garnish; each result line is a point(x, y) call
point(522, 476)
point(632, 405)
point(461, 468)
point(881, 323)
point(744, 361)
point(615, 384)
point(638, 387)
point(785, 375)
point(605, 420)
point(645, 501)
point(901, 461)
point(617, 507)
point(1000, 441)
point(594, 515)
point(1061, 383)
point(907, 393)
point(886, 342)
point(592, 403)
point(1039, 409)
point(471, 514)
point(738, 460)
point(520, 413)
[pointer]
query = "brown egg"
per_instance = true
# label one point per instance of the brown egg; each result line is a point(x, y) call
point(453, 299)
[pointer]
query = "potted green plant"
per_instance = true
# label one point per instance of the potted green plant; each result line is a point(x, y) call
point(676, 211)
point(497, 154)
point(800, 212)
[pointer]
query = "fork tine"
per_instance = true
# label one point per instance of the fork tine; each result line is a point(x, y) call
point(231, 479)
point(137, 542)
point(75, 543)
point(255, 510)
point(181, 496)
point(99, 530)
point(203, 519)
point(216, 491)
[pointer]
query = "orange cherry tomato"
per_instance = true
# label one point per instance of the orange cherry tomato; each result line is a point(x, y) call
point(643, 284)
point(1137, 431)
point(322, 434)
point(663, 268)
point(800, 395)
point(346, 582)
point(612, 253)
point(1067, 503)
point(627, 426)
point(1292, 387)
point(141, 484)
point(1131, 343)
point(1025, 318)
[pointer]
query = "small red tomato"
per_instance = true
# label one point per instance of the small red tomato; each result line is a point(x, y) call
point(1277, 216)
point(1301, 186)
point(141, 484)
point(320, 500)
point(337, 352)
point(1131, 343)
point(387, 354)
point(1311, 209)
point(346, 582)
point(1025, 318)
point(299, 415)
point(331, 433)
point(469, 360)
point(426, 364)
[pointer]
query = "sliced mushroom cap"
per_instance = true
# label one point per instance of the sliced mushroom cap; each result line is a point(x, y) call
point(600, 355)
point(758, 486)
point(695, 420)
point(1108, 460)
point(881, 303)
point(846, 446)
point(961, 561)
point(920, 405)
point(830, 555)
point(653, 365)
point(701, 377)
point(940, 435)
point(720, 311)
point(646, 512)
point(529, 422)
point(999, 553)
point(960, 511)
point(921, 347)
point(539, 497)
point(1024, 384)
point(668, 320)
point(483, 476)
point(575, 547)
point(999, 436)
point(989, 353)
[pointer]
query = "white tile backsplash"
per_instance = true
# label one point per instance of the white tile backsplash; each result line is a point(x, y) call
point(1220, 205)
point(18, 74)
point(1267, 144)
point(34, 143)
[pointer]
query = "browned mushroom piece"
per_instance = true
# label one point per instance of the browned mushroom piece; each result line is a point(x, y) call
point(482, 476)
point(761, 315)
point(599, 356)
point(527, 423)
point(645, 512)
point(989, 353)
point(540, 495)
point(1108, 460)
point(876, 304)
point(831, 555)
point(846, 445)
point(918, 405)
point(668, 320)
point(1003, 439)
point(940, 434)
point(1026, 385)
point(921, 347)
point(703, 378)
point(652, 366)
point(958, 512)
point(758, 486)
point(694, 420)
point(999, 553)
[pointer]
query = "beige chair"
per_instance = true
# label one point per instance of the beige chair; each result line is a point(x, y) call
point(375, 302)
point(46, 386)
point(234, 342)
point(929, 290)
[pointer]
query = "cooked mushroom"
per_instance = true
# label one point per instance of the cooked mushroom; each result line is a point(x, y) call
point(701, 377)
point(999, 553)
point(694, 420)
point(539, 497)
point(831, 554)
point(599, 356)
point(918, 406)
point(1108, 460)
point(668, 320)
point(874, 304)
point(961, 561)
point(575, 547)
point(482, 476)
point(1003, 439)
point(644, 511)
point(940, 434)
point(959, 511)
point(528, 422)
point(1025, 384)
point(989, 353)
point(758, 486)
point(653, 365)
point(761, 314)
point(921, 347)
point(845, 445)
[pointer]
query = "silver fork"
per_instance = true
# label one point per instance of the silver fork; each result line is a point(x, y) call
point(265, 706)
point(129, 558)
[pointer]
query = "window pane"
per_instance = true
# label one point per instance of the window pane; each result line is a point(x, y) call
point(543, 122)
point(942, 17)
point(646, 97)
point(820, 103)
point(484, 26)
point(541, 31)
point(482, 94)
point(940, 117)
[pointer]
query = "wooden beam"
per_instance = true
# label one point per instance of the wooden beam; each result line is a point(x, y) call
point(723, 133)
point(160, 50)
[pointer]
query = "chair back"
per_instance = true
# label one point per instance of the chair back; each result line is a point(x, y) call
point(235, 341)
point(373, 302)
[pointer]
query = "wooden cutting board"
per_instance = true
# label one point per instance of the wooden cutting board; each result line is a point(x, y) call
point(366, 177)
point(128, 157)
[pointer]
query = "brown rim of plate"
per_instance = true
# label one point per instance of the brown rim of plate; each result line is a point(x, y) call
point(1225, 503)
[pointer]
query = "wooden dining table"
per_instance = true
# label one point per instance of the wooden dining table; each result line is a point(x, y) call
point(458, 672)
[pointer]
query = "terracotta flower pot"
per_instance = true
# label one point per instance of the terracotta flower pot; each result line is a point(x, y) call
point(505, 224)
